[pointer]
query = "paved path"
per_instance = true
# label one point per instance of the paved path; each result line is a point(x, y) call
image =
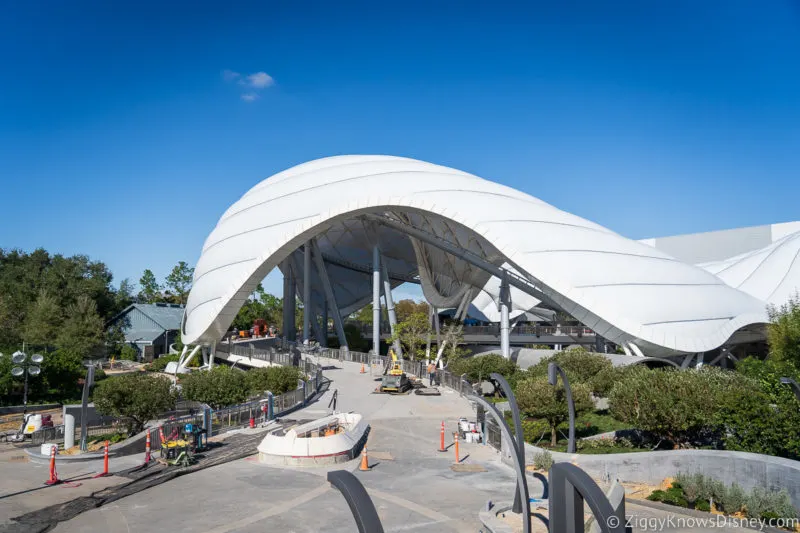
point(411, 483)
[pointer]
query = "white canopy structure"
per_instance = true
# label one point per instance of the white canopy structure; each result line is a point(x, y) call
point(771, 274)
point(342, 228)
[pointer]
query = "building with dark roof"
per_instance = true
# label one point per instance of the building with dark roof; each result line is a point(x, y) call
point(150, 328)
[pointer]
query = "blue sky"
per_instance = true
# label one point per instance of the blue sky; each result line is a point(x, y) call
point(122, 137)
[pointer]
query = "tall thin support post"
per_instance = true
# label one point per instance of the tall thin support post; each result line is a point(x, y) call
point(553, 371)
point(376, 300)
point(329, 294)
point(307, 309)
point(387, 294)
point(437, 327)
point(505, 303)
point(430, 327)
point(289, 290)
point(324, 320)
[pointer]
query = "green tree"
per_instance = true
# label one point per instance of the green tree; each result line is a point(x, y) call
point(137, 398)
point(61, 372)
point(405, 308)
point(581, 366)
point(676, 405)
point(43, 320)
point(82, 331)
point(150, 291)
point(179, 282)
point(124, 295)
point(23, 276)
point(538, 399)
point(219, 387)
point(783, 331)
point(276, 379)
point(480, 367)
point(413, 334)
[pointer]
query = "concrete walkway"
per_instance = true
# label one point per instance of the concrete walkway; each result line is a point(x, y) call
point(412, 484)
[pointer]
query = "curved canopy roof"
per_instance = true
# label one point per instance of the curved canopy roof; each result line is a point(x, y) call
point(418, 213)
point(771, 274)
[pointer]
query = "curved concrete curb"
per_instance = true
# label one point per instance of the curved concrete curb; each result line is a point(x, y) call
point(691, 512)
point(749, 470)
point(37, 457)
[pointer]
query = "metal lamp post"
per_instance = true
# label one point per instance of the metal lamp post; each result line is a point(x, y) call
point(26, 367)
point(793, 384)
point(553, 371)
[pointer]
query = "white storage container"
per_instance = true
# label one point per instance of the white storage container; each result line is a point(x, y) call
point(46, 448)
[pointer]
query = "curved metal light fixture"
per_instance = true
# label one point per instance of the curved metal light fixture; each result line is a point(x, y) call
point(37, 358)
point(17, 371)
point(18, 357)
point(34, 370)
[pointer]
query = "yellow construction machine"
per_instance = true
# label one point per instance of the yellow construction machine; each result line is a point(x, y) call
point(394, 379)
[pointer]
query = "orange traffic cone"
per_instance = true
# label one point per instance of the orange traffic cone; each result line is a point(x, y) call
point(362, 369)
point(53, 474)
point(104, 473)
point(364, 461)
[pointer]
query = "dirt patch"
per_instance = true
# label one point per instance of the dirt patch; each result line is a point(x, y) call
point(467, 467)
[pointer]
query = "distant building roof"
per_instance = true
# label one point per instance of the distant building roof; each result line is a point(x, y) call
point(168, 316)
point(147, 322)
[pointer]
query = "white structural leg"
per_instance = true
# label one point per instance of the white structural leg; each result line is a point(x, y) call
point(376, 300)
point(505, 304)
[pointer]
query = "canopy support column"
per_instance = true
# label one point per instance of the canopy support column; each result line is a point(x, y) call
point(307, 309)
point(289, 290)
point(376, 300)
point(387, 294)
point(330, 296)
point(505, 304)
point(324, 323)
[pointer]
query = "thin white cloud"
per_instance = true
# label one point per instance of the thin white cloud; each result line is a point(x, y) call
point(251, 83)
point(229, 75)
point(260, 80)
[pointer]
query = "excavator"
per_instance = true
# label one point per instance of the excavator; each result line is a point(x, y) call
point(394, 379)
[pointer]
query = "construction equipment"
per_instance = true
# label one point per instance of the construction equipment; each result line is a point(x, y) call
point(394, 379)
point(176, 453)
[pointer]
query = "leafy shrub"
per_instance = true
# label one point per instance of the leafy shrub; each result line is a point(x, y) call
point(751, 419)
point(733, 499)
point(158, 365)
point(543, 460)
point(537, 398)
point(702, 505)
point(276, 379)
point(480, 367)
point(136, 398)
point(764, 505)
point(128, 353)
point(697, 490)
point(692, 485)
point(677, 405)
point(581, 366)
point(219, 387)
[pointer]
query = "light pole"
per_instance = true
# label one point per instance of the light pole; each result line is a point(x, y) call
point(27, 367)
point(793, 384)
point(553, 371)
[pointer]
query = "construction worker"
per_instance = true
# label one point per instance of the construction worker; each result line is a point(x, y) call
point(431, 372)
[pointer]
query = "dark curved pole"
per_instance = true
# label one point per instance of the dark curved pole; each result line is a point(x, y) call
point(512, 402)
point(358, 500)
point(552, 369)
point(522, 484)
point(793, 384)
point(569, 487)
